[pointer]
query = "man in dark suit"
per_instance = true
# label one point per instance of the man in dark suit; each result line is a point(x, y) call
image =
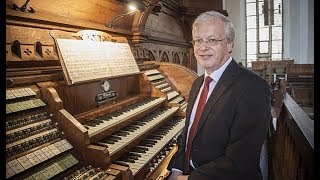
point(228, 112)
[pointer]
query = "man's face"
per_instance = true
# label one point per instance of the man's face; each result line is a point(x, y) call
point(211, 48)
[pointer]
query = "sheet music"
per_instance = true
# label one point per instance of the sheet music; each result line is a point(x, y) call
point(90, 60)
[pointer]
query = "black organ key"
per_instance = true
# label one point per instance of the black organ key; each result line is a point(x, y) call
point(129, 159)
point(139, 150)
point(102, 144)
point(104, 118)
point(123, 133)
point(122, 163)
point(98, 121)
point(108, 141)
point(135, 154)
point(115, 137)
point(90, 123)
point(149, 141)
point(155, 136)
point(130, 129)
point(143, 148)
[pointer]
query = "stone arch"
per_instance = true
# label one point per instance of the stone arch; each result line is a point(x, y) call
point(141, 54)
point(176, 58)
point(151, 56)
point(164, 57)
point(135, 53)
point(193, 63)
point(146, 53)
point(185, 60)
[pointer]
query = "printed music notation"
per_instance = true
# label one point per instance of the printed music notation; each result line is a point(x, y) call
point(90, 60)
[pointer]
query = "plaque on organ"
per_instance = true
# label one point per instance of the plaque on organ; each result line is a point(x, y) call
point(84, 60)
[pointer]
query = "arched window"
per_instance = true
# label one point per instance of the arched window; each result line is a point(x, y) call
point(264, 30)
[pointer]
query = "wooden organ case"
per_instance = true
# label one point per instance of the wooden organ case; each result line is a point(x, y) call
point(119, 127)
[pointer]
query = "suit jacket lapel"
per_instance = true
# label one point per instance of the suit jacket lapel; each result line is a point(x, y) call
point(228, 76)
point(193, 96)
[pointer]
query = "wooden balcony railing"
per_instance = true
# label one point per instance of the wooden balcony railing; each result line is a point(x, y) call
point(291, 144)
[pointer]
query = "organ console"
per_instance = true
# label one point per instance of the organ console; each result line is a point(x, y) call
point(35, 146)
point(119, 127)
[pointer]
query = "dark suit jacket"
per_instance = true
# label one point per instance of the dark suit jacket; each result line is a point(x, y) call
point(232, 128)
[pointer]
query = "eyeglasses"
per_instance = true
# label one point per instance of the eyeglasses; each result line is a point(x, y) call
point(210, 42)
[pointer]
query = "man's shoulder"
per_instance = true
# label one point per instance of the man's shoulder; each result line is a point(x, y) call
point(252, 78)
point(199, 79)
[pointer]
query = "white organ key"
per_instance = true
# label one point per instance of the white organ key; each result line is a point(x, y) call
point(177, 99)
point(172, 94)
point(166, 89)
point(151, 72)
point(155, 77)
point(162, 85)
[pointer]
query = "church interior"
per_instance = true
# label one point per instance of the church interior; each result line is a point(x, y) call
point(115, 110)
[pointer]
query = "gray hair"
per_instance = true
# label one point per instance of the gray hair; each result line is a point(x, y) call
point(229, 28)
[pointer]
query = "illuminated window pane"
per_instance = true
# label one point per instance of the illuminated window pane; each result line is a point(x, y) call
point(276, 33)
point(276, 56)
point(251, 57)
point(261, 22)
point(251, 9)
point(264, 48)
point(252, 35)
point(276, 8)
point(277, 19)
point(277, 46)
point(276, 3)
point(251, 22)
point(260, 7)
point(264, 34)
point(251, 47)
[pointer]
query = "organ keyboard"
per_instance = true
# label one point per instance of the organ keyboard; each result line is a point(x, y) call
point(103, 122)
point(159, 82)
point(144, 152)
point(125, 136)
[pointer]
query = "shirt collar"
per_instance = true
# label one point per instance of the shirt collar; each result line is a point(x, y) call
point(215, 75)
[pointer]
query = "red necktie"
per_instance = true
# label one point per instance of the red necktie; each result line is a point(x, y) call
point(202, 102)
